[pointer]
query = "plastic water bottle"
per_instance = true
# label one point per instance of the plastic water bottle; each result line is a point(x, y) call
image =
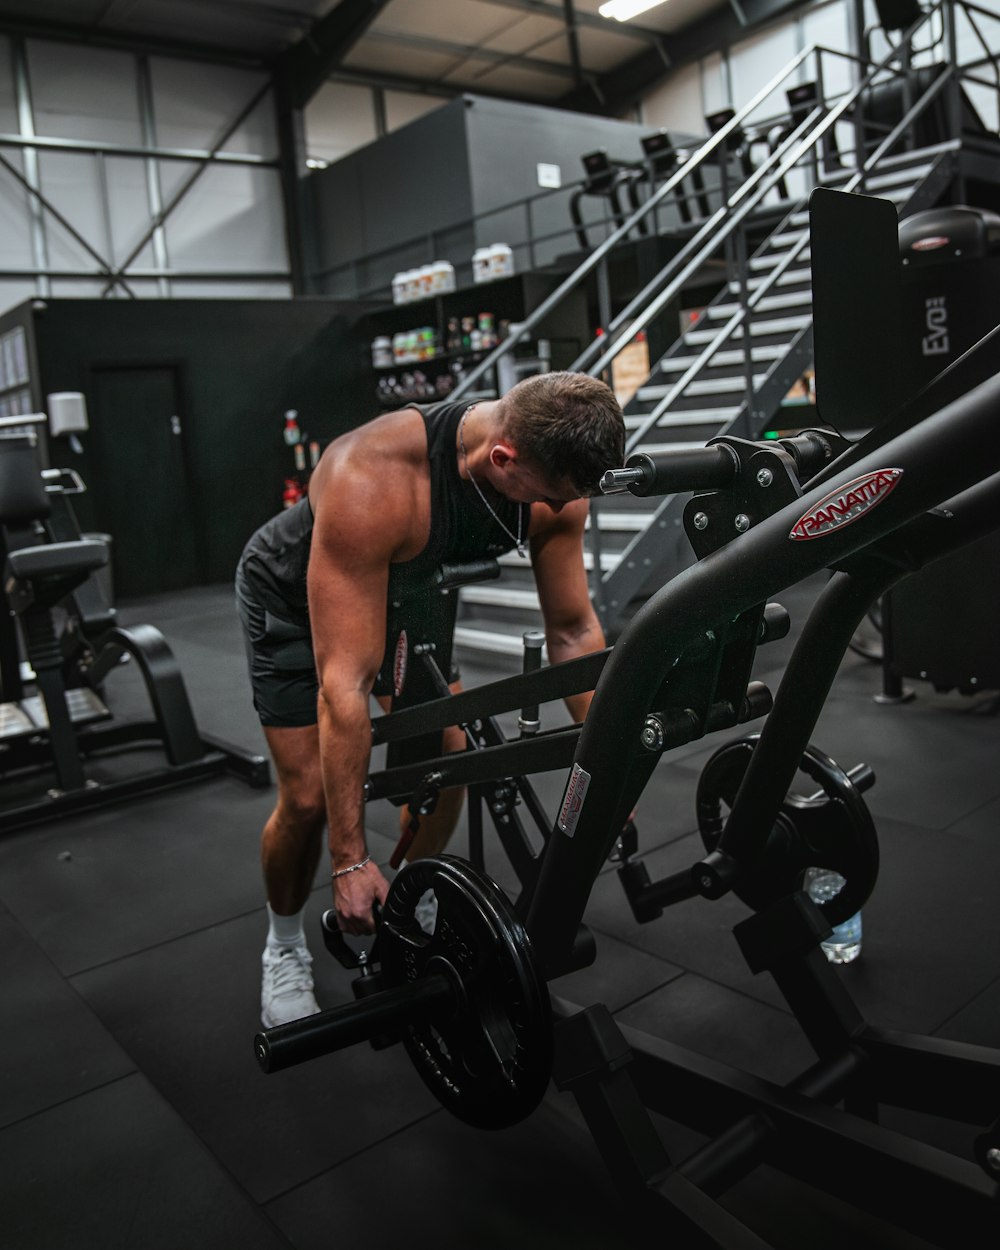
point(844, 944)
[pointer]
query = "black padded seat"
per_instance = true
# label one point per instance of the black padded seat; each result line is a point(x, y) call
point(38, 577)
point(58, 559)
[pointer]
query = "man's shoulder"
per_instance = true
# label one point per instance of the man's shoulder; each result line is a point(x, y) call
point(371, 480)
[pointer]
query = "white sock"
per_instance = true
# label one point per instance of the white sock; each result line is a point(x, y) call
point(285, 931)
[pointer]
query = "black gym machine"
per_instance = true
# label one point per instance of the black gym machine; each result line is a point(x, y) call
point(59, 644)
point(469, 1001)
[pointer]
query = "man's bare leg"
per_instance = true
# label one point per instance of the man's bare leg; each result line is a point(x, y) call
point(292, 840)
point(291, 845)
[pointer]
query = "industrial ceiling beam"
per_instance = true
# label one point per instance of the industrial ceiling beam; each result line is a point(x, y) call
point(302, 69)
point(471, 52)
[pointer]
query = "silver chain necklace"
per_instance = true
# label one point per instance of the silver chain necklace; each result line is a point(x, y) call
point(489, 508)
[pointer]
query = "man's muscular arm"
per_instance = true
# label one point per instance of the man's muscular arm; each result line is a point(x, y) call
point(353, 543)
point(571, 625)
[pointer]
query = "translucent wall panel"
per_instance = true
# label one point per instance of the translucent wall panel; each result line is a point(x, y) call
point(338, 119)
point(15, 227)
point(15, 291)
point(128, 209)
point(70, 182)
point(677, 103)
point(828, 27)
point(83, 93)
point(756, 61)
point(231, 219)
point(714, 86)
point(970, 49)
point(194, 105)
point(406, 106)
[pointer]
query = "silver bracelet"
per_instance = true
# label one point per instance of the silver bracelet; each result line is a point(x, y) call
point(342, 872)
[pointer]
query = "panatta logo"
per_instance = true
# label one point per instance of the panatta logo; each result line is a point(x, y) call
point(572, 804)
point(936, 342)
point(846, 505)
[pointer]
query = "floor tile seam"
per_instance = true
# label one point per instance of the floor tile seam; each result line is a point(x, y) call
point(781, 1008)
point(958, 1010)
point(252, 1203)
point(966, 815)
point(83, 1093)
point(145, 950)
point(642, 950)
point(349, 1158)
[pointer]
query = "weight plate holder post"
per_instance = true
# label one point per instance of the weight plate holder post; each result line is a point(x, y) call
point(467, 1000)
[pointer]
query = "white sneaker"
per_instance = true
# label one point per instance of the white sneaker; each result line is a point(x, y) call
point(287, 987)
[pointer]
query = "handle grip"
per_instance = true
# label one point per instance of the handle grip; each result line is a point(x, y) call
point(301, 1040)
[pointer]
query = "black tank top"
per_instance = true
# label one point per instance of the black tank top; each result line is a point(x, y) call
point(276, 558)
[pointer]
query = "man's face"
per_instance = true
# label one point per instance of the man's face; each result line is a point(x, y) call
point(524, 482)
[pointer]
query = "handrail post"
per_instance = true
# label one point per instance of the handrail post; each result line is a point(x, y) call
point(953, 103)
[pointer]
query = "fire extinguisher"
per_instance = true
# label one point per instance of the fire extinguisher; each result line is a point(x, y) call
point(292, 492)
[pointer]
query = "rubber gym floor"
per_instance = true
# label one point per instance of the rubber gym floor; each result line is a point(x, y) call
point(133, 1113)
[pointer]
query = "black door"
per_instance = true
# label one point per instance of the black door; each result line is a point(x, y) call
point(144, 492)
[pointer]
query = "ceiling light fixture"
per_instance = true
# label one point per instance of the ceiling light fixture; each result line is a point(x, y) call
point(622, 10)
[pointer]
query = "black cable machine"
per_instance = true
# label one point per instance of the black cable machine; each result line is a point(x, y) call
point(469, 1002)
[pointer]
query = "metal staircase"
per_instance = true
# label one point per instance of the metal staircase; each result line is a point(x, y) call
point(705, 384)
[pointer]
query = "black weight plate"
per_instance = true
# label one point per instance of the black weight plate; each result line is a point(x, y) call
point(831, 830)
point(489, 1060)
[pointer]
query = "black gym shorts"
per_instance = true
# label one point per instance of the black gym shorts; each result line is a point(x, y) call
point(283, 667)
point(281, 662)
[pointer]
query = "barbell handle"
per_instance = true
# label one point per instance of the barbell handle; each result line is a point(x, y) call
point(286, 1045)
point(667, 473)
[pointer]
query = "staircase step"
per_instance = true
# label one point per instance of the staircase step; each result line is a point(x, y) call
point(498, 595)
point(494, 641)
point(910, 174)
point(773, 326)
point(784, 239)
point(722, 359)
point(664, 449)
point(898, 191)
point(611, 520)
point(791, 277)
point(769, 303)
point(694, 416)
point(609, 559)
point(706, 386)
point(772, 259)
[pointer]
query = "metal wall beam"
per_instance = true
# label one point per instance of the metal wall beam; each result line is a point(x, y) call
point(63, 32)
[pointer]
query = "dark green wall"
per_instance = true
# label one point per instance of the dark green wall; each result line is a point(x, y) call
point(240, 364)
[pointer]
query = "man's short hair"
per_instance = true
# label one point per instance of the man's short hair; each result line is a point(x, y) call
point(568, 424)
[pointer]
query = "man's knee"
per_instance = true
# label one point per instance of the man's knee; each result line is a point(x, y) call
point(301, 800)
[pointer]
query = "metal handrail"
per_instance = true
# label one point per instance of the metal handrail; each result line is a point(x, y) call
point(763, 180)
point(773, 277)
point(601, 252)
